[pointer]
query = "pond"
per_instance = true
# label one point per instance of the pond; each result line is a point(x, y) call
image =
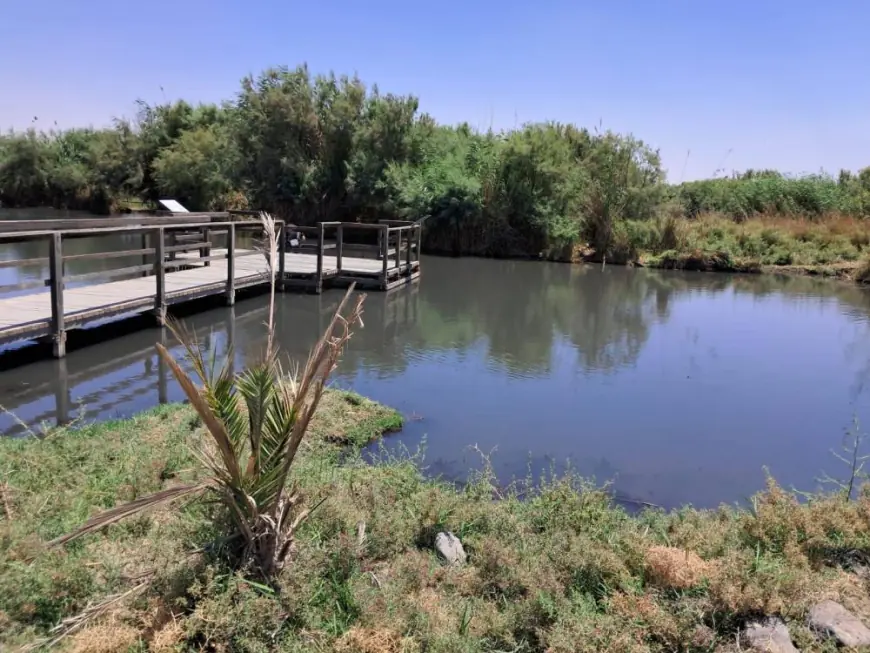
point(677, 387)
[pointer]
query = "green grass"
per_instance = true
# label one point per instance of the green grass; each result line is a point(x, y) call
point(552, 567)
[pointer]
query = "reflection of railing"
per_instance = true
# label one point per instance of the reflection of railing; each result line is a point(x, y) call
point(127, 375)
point(110, 395)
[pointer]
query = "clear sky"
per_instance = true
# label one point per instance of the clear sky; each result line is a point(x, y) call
point(737, 83)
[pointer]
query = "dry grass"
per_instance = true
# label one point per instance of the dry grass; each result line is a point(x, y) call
point(831, 246)
point(170, 637)
point(106, 637)
point(862, 272)
point(673, 568)
point(373, 640)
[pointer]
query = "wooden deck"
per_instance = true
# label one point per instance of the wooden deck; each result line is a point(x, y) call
point(182, 273)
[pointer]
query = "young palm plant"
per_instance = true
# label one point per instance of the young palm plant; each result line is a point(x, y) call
point(256, 421)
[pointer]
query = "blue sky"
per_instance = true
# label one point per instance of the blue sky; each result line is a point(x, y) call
point(737, 83)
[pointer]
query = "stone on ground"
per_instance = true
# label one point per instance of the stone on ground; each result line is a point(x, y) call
point(448, 546)
point(769, 636)
point(833, 620)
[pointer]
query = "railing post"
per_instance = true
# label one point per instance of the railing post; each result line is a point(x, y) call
point(385, 253)
point(205, 251)
point(282, 252)
point(231, 264)
point(409, 245)
point(399, 247)
point(144, 244)
point(318, 281)
point(55, 271)
point(160, 277)
point(339, 247)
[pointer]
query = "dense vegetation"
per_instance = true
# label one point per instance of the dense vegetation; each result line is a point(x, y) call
point(327, 148)
point(551, 567)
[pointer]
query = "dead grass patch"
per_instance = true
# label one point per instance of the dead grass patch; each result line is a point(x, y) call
point(374, 640)
point(109, 636)
point(674, 568)
point(167, 638)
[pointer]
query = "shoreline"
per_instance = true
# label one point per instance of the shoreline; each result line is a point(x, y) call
point(560, 568)
point(844, 271)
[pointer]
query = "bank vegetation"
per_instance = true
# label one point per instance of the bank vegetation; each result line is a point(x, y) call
point(311, 148)
point(552, 566)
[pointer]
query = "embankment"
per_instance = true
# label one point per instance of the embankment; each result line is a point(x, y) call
point(552, 568)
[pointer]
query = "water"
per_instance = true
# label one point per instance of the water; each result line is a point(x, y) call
point(679, 387)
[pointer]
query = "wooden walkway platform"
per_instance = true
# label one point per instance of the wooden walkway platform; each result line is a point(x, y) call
point(184, 272)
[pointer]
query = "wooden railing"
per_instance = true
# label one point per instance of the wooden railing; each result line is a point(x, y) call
point(161, 243)
point(397, 245)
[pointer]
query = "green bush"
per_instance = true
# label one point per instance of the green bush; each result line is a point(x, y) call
point(312, 148)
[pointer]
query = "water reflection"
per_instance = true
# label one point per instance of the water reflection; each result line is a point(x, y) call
point(681, 387)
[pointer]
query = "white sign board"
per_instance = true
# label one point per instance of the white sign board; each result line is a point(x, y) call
point(172, 205)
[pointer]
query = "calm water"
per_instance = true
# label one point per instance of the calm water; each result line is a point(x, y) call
point(680, 387)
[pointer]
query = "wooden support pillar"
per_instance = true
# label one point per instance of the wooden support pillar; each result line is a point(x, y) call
point(318, 280)
point(160, 277)
point(162, 373)
point(339, 247)
point(409, 246)
point(62, 398)
point(231, 265)
point(55, 271)
point(231, 341)
point(385, 254)
point(282, 253)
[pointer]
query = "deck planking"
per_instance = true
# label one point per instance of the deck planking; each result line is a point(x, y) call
point(30, 315)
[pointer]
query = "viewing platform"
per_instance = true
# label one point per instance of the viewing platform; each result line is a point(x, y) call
point(182, 259)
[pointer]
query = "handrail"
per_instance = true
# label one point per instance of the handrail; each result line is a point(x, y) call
point(145, 219)
point(132, 229)
point(398, 247)
point(405, 235)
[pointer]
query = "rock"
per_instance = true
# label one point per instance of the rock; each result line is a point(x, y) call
point(769, 636)
point(448, 546)
point(833, 620)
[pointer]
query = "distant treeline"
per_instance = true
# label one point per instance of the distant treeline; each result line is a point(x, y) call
point(327, 148)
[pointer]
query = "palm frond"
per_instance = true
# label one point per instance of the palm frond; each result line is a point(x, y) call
point(116, 514)
point(259, 414)
point(257, 386)
point(271, 233)
point(215, 427)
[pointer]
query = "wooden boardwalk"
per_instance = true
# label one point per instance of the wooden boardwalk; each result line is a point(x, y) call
point(182, 273)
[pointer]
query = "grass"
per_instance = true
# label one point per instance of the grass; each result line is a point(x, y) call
point(553, 567)
point(835, 245)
